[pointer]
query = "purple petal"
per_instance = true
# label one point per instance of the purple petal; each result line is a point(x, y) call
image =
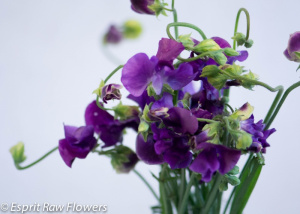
point(146, 152)
point(141, 6)
point(137, 74)
point(242, 57)
point(287, 55)
point(165, 101)
point(178, 159)
point(168, 49)
point(157, 83)
point(162, 145)
point(181, 120)
point(228, 158)
point(142, 100)
point(180, 77)
point(67, 157)
point(294, 42)
point(221, 42)
point(113, 35)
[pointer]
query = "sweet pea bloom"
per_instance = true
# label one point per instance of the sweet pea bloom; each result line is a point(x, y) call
point(113, 36)
point(141, 6)
point(140, 71)
point(292, 52)
point(78, 142)
point(111, 92)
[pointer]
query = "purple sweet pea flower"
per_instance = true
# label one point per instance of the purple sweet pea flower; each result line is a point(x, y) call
point(111, 92)
point(109, 129)
point(293, 46)
point(213, 157)
point(78, 142)
point(259, 135)
point(140, 71)
point(141, 6)
point(113, 36)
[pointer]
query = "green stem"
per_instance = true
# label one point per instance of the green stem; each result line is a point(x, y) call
point(35, 162)
point(186, 194)
point(184, 24)
point(192, 58)
point(100, 106)
point(212, 194)
point(110, 56)
point(147, 184)
point(237, 23)
point(175, 18)
point(166, 206)
point(206, 120)
point(182, 184)
point(167, 9)
point(274, 104)
point(286, 93)
point(112, 73)
point(229, 106)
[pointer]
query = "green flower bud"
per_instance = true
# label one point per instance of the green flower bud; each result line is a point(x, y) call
point(123, 159)
point(233, 180)
point(244, 140)
point(239, 38)
point(125, 112)
point(230, 52)
point(143, 127)
point(186, 41)
point(17, 153)
point(249, 43)
point(220, 58)
point(206, 45)
point(243, 113)
point(247, 84)
point(132, 29)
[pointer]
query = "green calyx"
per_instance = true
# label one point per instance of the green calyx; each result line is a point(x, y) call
point(98, 91)
point(17, 152)
point(186, 41)
point(158, 7)
point(124, 112)
point(206, 46)
point(230, 178)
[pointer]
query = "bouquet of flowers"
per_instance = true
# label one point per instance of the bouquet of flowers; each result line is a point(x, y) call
point(194, 135)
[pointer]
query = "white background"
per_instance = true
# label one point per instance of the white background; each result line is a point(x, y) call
point(51, 61)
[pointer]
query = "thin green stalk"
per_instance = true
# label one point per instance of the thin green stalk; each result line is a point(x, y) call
point(175, 18)
point(198, 193)
point(111, 57)
point(113, 72)
point(237, 23)
point(35, 162)
point(100, 106)
point(167, 9)
point(286, 93)
point(147, 184)
point(186, 194)
point(182, 184)
point(184, 24)
point(212, 194)
point(206, 120)
point(273, 106)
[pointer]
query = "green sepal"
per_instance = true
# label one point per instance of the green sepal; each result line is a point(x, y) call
point(234, 171)
point(223, 186)
point(186, 100)
point(210, 70)
point(250, 76)
point(244, 140)
point(239, 38)
point(124, 112)
point(206, 46)
point(143, 127)
point(132, 29)
point(186, 41)
point(213, 132)
point(214, 77)
point(158, 8)
point(242, 113)
point(233, 69)
point(233, 180)
point(249, 43)
point(17, 152)
point(119, 156)
point(145, 114)
point(98, 91)
point(230, 52)
point(219, 57)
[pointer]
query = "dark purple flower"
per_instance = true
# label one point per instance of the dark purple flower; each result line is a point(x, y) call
point(109, 129)
point(140, 71)
point(78, 142)
point(146, 152)
point(181, 121)
point(293, 46)
point(130, 164)
point(141, 6)
point(213, 157)
point(125, 159)
point(259, 135)
point(113, 36)
point(111, 92)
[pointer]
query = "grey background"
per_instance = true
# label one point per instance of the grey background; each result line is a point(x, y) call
point(51, 61)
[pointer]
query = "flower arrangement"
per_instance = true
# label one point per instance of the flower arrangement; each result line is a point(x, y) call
point(194, 135)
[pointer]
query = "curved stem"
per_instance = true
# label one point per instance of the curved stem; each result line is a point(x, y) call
point(35, 162)
point(237, 23)
point(274, 104)
point(175, 18)
point(184, 24)
point(113, 72)
point(111, 57)
point(186, 194)
point(286, 93)
point(193, 58)
point(100, 106)
point(147, 184)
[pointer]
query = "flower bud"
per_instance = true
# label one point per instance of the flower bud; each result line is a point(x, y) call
point(244, 140)
point(125, 112)
point(158, 7)
point(124, 160)
point(230, 52)
point(249, 43)
point(206, 45)
point(17, 153)
point(239, 38)
point(141, 6)
point(186, 41)
point(243, 113)
point(132, 29)
point(113, 35)
point(292, 51)
point(111, 92)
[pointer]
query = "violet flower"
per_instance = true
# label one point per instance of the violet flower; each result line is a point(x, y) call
point(213, 158)
point(140, 71)
point(292, 52)
point(109, 129)
point(111, 92)
point(141, 6)
point(113, 36)
point(78, 142)
point(259, 135)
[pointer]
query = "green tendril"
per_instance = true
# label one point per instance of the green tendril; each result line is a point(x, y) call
point(237, 23)
point(184, 24)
